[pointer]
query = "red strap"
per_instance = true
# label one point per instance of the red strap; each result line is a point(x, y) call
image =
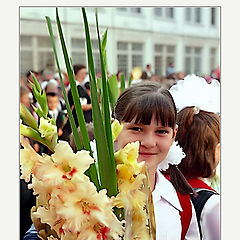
point(197, 183)
point(186, 214)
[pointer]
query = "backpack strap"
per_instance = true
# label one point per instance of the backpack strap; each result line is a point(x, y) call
point(204, 192)
point(197, 183)
point(186, 214)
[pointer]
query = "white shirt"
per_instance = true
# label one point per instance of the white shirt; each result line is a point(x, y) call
point(210, 219)
point(54, 113)
point(166, 209)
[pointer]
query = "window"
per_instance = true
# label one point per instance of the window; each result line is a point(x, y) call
point(122, 9)
point(129, 55)
point(26, 55)
point(193, 56)
point(158, 11)
point(79, 56)
point(135, 10)
point(213, 16)
point(78, 53)
point(169, 12)
point(36, 53)
point(188, 14)
point(197, 15)
point(164, 12)
point(158, 65)
point(130, 10)
point(213, 57)
point(193, 15)
point(164, 54)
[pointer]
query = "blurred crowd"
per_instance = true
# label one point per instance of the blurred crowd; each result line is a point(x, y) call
point(50, 82)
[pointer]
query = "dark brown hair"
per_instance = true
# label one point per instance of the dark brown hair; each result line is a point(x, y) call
point(78, 67)
point(143, 101)
point(198, 135)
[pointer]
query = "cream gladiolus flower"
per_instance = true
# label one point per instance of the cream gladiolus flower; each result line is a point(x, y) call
point(48, 215)
point(64, 165)
point(82, 206)
point(28, 159)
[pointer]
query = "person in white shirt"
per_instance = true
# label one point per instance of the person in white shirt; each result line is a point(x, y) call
point(198, 104)
point(199, 135)
point(148, 115)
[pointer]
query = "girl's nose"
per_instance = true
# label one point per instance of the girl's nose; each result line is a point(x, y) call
point(148, 140)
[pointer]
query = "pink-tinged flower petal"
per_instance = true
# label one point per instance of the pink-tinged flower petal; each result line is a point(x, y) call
point(69, 163)
point(48, 215)
point(28, 158)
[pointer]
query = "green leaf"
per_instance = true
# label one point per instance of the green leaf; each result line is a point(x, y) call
point(129, 81)
point(113, 90)
point(27, 117)
point(106, 110)
point(104, 40)
point(91, 172)
point(35, 135)
point(37, 84)
point(70, 115)
point(122, 79)
point(106, 169)
point(38, 111)
point(40, 96)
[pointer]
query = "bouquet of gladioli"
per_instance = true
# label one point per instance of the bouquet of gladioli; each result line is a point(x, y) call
point(76, 199)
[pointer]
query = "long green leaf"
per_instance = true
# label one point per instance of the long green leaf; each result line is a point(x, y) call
point(129, 81)
point(27, 117)
point(92, 171)
point(70, 115)
point(122, 80)
point(107, 119)
point(106, 171)
point(40, 95)
point(113, 90)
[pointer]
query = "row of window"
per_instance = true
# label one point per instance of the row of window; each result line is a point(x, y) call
point(192, 15)
point(36, 53)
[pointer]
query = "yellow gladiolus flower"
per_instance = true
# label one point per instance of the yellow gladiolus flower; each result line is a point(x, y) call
point(116, 129)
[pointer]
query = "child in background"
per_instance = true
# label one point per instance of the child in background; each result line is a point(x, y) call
point(198, 134)
point(53, 112)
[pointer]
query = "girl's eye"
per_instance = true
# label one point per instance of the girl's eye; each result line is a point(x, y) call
point(137, 129)
point(162, 131)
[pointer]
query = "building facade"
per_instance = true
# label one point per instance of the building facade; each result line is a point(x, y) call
point(187, 36)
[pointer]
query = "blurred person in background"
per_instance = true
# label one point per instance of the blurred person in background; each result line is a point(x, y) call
point(148, 71)
point(181, 75)
point(155, 78)
point(171, 69)
point(52, 86)
point(80, 73)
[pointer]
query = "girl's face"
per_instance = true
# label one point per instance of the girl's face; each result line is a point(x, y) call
point(154, 139)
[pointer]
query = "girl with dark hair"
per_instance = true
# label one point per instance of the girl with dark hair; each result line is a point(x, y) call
point(148, 115)
point(199, 136)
